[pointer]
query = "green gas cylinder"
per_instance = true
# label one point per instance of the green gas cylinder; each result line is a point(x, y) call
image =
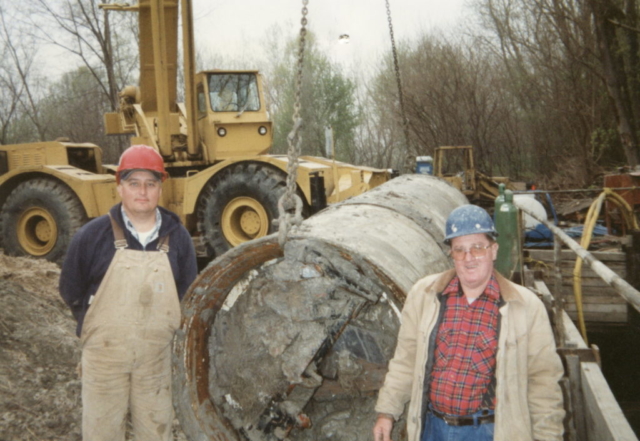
point(506, 220)
point(499, 200)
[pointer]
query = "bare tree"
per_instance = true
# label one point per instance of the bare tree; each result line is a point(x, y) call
point(11, 89)
point(380, 140)
point(619, 66)
point(549, 51)
point(21, 89)
point(453, 96)
point(82, 29)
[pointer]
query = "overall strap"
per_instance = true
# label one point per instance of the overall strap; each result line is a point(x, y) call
point(163, 244)
point(120, 241)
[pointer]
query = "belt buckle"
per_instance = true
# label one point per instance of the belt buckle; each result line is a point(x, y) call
point(451, 421)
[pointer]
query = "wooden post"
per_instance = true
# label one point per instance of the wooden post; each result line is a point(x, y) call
point(577, 399)
point(569, 420)
point(633, 275)
point(557, 287)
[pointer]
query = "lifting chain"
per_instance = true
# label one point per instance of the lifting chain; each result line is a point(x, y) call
point(409, 160)
point(290, 204)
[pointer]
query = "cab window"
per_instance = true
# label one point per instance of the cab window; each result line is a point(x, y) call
point(234, 92)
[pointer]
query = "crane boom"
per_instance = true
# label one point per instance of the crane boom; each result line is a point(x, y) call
point(188, 50)
point(158, 22)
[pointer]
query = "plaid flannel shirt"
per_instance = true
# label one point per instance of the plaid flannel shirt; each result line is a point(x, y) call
point(465, 351)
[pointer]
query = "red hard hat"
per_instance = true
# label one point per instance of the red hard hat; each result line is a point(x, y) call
point(141, 157)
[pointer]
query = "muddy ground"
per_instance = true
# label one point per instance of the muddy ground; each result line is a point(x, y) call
point(39, 352)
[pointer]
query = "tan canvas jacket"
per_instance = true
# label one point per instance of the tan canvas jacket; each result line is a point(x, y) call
point(528, 397)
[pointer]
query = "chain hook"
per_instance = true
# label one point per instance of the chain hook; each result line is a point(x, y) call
point(290, 204)
point(409, 160)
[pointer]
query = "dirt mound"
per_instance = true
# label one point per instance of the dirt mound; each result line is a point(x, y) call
point(39, 352)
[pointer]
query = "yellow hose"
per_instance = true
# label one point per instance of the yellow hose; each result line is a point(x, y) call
point(589, 225)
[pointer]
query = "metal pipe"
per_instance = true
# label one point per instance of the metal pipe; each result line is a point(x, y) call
point(559, 295)
point(294, 344)
point(574, 190)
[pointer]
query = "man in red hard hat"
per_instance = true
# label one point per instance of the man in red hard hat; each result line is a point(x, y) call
point(476, 358)
point(123, 277)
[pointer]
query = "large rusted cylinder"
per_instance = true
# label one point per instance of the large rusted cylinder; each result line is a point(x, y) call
point(294, 344)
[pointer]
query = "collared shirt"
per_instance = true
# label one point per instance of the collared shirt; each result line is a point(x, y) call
point(145, 238)
point(465, 349)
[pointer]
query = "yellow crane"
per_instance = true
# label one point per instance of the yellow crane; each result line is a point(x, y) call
point(223, 183)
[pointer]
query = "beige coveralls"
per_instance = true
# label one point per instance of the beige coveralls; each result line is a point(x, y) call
point(126, 347)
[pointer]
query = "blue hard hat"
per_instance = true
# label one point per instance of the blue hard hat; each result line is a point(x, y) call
point(469, 219)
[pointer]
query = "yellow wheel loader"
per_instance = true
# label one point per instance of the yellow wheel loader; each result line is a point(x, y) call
point(456, 165)
point(223, 184)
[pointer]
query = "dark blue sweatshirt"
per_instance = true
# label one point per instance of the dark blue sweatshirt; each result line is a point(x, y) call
point(92, 249)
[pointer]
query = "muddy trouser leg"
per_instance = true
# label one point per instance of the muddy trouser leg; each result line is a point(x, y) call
point(105, 393)
point(151, 406)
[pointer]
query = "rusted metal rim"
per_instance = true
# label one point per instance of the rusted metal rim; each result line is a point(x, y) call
point(199, 417)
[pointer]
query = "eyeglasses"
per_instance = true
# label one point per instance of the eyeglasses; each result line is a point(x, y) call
point(476, 252)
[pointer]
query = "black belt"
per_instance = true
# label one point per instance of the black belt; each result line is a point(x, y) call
point(452, 420)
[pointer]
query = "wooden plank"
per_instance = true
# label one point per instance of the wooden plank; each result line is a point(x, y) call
point(605, 420)
point(610, 317)
point(574, 372)
point(588, 275)
point(587, 268)
point(604, 291)
point(587, 284)
point(567, 270)
point(566, 265)
point(618, 260)
point(596, 290)
point(585, 274)
point(570, 255)
point(571, 261)
point(600, 317)
point(601, 302)
point(596, 299)
point(602, 309)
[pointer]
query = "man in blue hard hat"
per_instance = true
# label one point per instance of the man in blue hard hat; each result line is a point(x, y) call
point(476, 357)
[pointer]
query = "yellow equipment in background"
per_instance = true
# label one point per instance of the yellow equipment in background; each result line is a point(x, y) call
point(222, 183)
point(455, 164)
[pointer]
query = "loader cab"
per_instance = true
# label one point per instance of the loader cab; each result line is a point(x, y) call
point(232, 117)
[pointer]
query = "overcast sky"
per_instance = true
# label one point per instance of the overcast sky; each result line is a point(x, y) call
point(236, 29)
point(232, 26)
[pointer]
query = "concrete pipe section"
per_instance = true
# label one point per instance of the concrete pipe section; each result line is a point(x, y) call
point(294, 345)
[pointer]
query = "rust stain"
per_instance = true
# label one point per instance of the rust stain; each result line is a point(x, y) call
point(200, 307)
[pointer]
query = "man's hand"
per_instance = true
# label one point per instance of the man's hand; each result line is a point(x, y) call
point(382, 428)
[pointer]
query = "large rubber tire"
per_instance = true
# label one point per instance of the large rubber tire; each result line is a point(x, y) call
point(39, 218)
point(239, 204)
